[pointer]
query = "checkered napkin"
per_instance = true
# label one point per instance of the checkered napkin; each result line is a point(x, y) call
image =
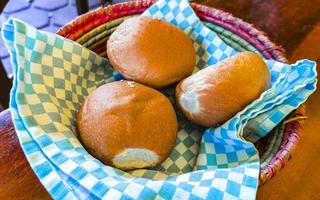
point(53, 75)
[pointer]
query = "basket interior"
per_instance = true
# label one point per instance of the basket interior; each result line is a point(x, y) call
point(95, 39)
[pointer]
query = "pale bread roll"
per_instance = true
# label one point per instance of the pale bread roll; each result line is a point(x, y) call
point(214, 94)
point(151, 51)
point(127, 125)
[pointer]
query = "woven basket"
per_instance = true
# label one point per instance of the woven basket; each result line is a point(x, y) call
point(93, 29)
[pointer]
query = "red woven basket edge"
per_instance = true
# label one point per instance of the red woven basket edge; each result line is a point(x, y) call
point(245, 30)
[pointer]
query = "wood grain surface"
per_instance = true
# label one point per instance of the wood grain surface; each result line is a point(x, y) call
point(17, 180)
point(294, 24)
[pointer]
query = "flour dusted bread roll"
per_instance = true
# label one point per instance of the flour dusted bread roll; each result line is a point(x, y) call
point(151, 51)
point(214, 94)
point(127, 125)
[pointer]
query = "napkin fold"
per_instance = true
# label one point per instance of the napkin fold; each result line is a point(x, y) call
point(52, 75)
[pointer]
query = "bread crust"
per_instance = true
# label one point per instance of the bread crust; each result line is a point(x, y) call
point(151, 51)
point(213, 95)
point(125, 115)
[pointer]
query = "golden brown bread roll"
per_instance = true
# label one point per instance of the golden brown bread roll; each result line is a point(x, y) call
point(127, 125)
point(151, 51)
point(216, 93)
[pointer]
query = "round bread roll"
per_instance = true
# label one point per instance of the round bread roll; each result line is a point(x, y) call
point(151, 51)
point(127, 125)
point(216, 93)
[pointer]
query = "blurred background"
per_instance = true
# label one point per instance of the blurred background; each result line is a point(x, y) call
point(294, 24)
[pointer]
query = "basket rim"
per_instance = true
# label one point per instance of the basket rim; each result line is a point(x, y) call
point(245, 30)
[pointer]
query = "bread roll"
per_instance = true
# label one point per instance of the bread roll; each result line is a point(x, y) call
point(216, 93)
point(151, 51)
point(127, 125)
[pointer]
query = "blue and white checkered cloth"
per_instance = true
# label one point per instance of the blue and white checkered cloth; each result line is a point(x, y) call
point(52, 75)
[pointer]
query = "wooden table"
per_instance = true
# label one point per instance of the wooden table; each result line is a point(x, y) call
point(294, 24)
